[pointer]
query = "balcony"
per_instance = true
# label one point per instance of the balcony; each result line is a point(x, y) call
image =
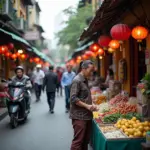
point(7, 11)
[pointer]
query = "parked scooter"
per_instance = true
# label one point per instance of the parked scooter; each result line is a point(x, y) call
point(18, 102)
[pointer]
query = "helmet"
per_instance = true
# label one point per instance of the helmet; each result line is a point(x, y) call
point(19, 67)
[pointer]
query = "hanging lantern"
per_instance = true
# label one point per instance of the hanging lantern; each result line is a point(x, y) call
point(89, 54)
point(100, 51)
point(120, 32)
point(36, 60)
point(14, 56)
point(79, 58)
point(8, 54)
point(104, 41)
point(114, 44)
point(100, 57)
point(110, 50)
point(10, 46)
point(94, 47)
point(3, 49)
point(23, 56)
point(84, 57)
point(18, 54)
point(139, 33)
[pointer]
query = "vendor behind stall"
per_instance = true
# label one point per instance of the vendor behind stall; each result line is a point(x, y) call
point(110, 76)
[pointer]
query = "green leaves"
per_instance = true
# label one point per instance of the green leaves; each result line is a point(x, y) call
point(74, 26)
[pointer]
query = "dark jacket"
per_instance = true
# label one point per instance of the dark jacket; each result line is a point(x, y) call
point(50, 81)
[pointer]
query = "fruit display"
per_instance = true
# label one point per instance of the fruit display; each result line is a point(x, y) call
point(108, 128)
point(125, 108)
point(133, 127)
point(114, 135)
point(113, 118)
point(104, 107)
point(118, 99)
point(98, 99)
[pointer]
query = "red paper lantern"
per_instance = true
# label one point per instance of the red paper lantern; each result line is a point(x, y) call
point(3, 49)
point(114, 44)
point(89, 54)
point(13, 56)
point(104, 41)
point(7, 54)
point(36, 60)
point(18, 54)
point(23, 56)
point(10, 46)
point(120, 32)
point(100, 51)
point(79, 58)
point(94, 47)
point(139, 33)
point(84, 57)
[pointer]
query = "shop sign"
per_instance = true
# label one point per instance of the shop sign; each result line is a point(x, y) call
point(147, 57)
point(32, 35)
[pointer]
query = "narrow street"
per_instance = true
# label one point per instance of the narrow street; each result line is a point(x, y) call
point(42, 131)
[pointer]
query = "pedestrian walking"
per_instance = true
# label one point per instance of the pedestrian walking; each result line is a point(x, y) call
point(81, 107)
point(66, 82)
point(59, 75)
point(38, 76)
point(50, 81)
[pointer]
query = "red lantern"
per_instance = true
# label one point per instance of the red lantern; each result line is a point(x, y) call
point(89, 54)
point(8, 54)
point(18, 54)
point(114, 44)
point(100, 51)
point(84, 57)
point(120, 32)
point(23, 56)
point(94, 47)
point(10, 46)
point(139, 33)
point(3, 49)
point(79, 58)
point(104, 41)
point(36, 60)
point(13, 56)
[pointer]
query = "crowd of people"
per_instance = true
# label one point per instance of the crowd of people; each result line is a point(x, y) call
point(78, 99)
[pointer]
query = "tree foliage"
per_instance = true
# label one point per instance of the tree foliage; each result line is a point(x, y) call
point(74, 25)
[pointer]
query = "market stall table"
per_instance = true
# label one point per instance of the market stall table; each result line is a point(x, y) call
point(99, 142)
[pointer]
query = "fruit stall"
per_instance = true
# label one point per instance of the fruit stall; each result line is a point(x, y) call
point(117, 124)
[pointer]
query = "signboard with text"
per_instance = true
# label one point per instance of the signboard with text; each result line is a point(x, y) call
point(32, 35)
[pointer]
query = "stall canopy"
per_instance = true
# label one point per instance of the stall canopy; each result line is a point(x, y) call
point(108, 14)
point(79, 50)
point(42, 56)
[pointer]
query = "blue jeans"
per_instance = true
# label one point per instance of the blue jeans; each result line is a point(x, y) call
point(67, 94)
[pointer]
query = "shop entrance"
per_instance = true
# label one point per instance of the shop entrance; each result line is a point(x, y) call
point(138, 66)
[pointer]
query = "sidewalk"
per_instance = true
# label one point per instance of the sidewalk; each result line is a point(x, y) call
point(3, 113)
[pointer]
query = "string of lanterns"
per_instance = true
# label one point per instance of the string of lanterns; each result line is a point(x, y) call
point(119, 33)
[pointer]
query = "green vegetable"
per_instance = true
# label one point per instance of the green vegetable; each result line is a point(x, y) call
point(112, 118)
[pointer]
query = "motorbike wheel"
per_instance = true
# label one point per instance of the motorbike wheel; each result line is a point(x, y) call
point(13, 121)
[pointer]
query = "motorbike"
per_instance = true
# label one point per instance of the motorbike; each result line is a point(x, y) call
point(18, 108)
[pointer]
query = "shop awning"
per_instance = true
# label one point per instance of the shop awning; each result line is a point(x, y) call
point(108, 14)
point(81, 49)
point(15, 37)
point(42, 56)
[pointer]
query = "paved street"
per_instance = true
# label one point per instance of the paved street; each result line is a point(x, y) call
point(42, 131)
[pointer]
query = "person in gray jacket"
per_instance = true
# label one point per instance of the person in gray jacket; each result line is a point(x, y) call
point(50, 81)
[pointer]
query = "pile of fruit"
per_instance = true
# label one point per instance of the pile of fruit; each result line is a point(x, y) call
point(113, 118)
point(104, 107)
point(133, 128)
point(118, 99)
point(100, 99)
